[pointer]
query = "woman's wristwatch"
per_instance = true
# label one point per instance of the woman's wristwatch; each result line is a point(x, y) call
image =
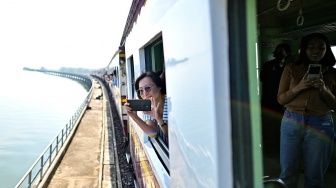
point(163, 124)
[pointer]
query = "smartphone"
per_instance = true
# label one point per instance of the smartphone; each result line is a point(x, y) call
point(314, 71)
point(139, 104)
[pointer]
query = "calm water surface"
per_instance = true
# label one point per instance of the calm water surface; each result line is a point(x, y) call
point(34, 107)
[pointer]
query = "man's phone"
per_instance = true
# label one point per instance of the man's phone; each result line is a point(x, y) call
point(139, 104)
point(314, 71)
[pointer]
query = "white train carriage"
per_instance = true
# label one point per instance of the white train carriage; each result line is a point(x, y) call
point(209, 51)
point(207, 94)
point(118, 86)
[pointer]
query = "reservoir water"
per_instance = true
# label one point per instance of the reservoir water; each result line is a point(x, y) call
point(34, 107)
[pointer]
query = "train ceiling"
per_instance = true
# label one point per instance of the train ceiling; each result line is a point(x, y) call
point(318, 16)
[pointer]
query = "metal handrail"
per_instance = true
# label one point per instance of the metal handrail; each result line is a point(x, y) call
point(39, 169)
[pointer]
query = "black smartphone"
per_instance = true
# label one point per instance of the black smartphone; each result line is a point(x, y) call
point(314, 70)
point(139, 104)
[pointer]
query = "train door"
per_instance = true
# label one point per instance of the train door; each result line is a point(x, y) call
point(122, 83)
point(242, 35)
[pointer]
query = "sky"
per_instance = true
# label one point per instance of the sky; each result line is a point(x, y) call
point(60, 33)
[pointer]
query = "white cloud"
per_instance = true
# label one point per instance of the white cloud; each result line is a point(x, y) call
point(70, 33)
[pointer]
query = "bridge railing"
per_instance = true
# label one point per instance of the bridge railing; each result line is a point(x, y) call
point(42, 166)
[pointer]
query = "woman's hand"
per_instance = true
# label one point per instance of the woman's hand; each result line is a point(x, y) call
point(303, 84)
point(319, 83)
point(129, 110)
point(154, 113)
point(313, 82)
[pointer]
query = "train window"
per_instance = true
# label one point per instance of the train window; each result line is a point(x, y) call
point(333, 48)
point(258, 68)
point(154, 56)
point(131, 66)
point(116, 72)
point(154, 61)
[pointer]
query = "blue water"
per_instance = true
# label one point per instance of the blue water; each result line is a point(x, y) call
point(34, 107)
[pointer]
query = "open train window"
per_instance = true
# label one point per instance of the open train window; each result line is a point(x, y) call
point(154, 56)
point(154, 61)
point(333, 48)
point(116, 77)
point(131, 66)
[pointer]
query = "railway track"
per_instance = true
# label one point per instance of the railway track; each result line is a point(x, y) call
point(116, 171)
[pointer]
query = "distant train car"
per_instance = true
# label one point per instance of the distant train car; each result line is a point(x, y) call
point(210, 52)
point(118, 85)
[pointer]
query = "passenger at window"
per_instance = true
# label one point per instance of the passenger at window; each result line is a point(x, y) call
point(108, 79)
point(115, 78)
point(150, 86)
point(271, 109)
point(307, 128)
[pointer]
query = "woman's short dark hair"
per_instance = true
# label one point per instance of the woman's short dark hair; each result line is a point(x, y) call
point(327, 60)
point(154, 77)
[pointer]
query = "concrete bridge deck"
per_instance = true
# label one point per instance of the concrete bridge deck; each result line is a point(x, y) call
point(87, 161)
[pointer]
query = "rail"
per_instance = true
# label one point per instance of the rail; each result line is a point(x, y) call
point(40, 168)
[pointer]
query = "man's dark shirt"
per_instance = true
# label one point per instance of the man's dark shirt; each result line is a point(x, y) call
point(270, 76)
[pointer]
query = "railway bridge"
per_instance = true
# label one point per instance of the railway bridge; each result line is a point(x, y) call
point(86, 153)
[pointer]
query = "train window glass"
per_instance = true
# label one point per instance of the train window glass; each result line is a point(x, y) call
point(116, 82)
point(154, 56)
point(258, 68)
point(333, 48)
point(157, 50)
point(131, 66)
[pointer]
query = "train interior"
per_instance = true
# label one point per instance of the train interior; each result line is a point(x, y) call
point(287, 21)
point(290, 20)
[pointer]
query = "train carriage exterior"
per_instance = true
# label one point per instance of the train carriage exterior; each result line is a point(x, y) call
point(118, 86)
point(194, 48)
point(211, 51)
